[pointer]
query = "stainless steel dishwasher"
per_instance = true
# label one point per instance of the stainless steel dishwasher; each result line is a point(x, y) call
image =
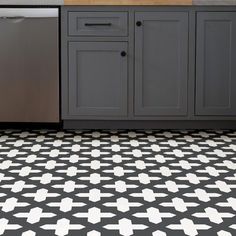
point(29, 65)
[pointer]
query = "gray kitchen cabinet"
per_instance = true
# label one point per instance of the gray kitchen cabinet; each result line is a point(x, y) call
point(97, 79)
point(161, 63)
point(216, 64)
point(148, 67)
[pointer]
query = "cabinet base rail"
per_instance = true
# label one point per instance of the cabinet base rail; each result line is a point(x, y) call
point(163, 124)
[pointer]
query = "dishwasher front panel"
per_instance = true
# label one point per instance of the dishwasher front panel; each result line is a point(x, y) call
point(29, 65)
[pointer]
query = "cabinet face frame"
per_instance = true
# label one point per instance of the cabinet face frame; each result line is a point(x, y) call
point(153, 69)
point(215, 59)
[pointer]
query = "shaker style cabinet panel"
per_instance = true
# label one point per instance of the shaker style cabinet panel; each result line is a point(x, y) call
point(216, 64)
point(161, 63)
point(97, 79)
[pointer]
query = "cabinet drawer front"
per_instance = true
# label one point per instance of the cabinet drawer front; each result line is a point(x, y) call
point(98, 23)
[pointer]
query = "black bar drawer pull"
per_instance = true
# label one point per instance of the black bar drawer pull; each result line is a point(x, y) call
point(97, 24)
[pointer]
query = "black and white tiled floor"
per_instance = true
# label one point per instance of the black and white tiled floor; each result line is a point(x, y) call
point(141, 183)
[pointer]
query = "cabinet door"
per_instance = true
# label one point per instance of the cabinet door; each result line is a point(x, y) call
point(215, 65)
point(97, 79)
point(161, 66)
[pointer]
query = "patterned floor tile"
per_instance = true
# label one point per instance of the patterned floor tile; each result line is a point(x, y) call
point(117, 183)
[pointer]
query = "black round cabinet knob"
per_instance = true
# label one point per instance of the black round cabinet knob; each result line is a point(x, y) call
point(138, 23)
point(123, 53)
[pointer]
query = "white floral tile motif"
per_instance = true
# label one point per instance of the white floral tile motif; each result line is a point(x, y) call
point(117, 183)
